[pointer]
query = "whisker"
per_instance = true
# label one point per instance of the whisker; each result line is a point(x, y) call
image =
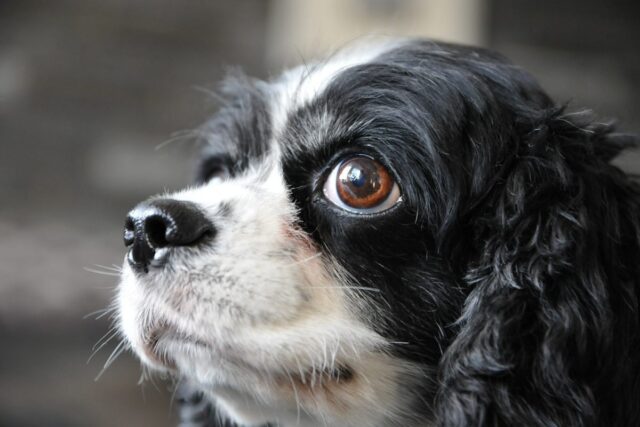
point(190, 135)
point(359, 288)
point(142, 390)
point(110, 310)
point(112, 358)
point(109, 332)
point(116, 353)
point(174, 393)
point(212, 93)
point(302, 261)
point(112, 267)
point(102, 273)
point(100, 347)
point(101, 312)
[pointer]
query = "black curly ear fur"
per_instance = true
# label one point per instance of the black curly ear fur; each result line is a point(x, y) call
point(549, 332)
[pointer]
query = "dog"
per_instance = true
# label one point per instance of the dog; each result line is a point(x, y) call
point(410, 233)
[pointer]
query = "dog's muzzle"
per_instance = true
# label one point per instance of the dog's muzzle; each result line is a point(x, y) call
point(156, 225)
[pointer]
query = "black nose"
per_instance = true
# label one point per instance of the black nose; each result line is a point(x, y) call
point(163, 223)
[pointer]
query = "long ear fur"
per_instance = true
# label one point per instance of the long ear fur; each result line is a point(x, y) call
point(549, 332)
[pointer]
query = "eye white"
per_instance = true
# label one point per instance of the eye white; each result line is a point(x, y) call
point(330, 191)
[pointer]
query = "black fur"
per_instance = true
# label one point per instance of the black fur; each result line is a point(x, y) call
point(240, 132)
point(512, 265)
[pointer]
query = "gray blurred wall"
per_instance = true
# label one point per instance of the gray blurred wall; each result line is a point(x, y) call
point(88, 89)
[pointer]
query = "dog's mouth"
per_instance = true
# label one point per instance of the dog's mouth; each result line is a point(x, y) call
point(157, 341)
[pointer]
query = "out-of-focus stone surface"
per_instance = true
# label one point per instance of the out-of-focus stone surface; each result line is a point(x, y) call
point(45, 380)
point(90, 88)
point(584, 52)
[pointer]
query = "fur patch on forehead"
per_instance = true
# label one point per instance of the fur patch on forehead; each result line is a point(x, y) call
point(299, 86)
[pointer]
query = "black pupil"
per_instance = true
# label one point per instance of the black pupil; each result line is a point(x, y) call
point(360, 177)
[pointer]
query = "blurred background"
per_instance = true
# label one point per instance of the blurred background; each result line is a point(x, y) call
point(93, 91)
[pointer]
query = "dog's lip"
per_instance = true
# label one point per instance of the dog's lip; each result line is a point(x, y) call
point(151, 349)
point(157, 336)
point(172, 336)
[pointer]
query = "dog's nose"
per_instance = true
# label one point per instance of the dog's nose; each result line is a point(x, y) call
point(163, 223)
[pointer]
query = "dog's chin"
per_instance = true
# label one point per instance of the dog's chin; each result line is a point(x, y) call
point(213, 368)
point(223, 359)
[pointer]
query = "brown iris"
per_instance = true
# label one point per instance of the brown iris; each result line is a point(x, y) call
point(363, 183)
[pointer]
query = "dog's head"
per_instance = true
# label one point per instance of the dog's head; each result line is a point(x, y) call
point(379, 235)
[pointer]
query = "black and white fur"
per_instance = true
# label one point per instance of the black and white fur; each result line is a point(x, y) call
point(501, 290)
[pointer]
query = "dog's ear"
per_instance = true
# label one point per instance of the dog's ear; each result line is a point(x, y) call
point(546, 326)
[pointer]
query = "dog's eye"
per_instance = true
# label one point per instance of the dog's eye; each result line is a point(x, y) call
point(362, 185)
point(214, 167)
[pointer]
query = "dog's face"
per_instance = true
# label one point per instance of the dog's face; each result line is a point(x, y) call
point(315, 273)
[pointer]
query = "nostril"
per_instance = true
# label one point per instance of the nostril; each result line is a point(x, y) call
point(155, 228)
point(207, 233)
point(129, 231)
